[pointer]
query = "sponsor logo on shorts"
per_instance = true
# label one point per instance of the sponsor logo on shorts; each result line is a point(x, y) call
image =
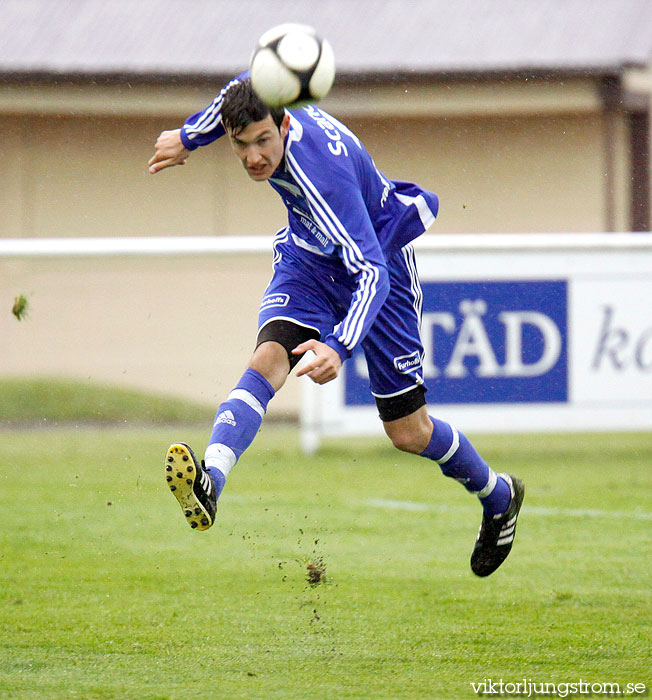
point(407, 363)
point(272, 300)
point(493, 341)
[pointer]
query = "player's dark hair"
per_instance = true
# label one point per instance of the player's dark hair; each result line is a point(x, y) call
point(242, 106)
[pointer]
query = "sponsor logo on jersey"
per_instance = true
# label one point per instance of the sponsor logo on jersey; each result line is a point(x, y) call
point(324, 240)
point(272, 300)
point(335, 145)
point(225, 417)
point(406, 363)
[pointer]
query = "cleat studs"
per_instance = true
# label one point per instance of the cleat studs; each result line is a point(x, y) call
point(185, 458)
point(193, 524)
point(188, 481)
point(179, 475)
point(204, 521)
point(173, 487)
point(189, 469)
point(170, 458)
point(187, 513)
point(169, 478)
point(197, 511)
point(168, 468)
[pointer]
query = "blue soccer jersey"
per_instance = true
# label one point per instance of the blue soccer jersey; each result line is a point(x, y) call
point(345, 272)
point(344, 216)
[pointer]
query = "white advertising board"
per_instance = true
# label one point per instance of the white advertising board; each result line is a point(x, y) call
point(520, 333)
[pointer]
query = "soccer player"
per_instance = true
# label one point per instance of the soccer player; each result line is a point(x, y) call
point(344, 275)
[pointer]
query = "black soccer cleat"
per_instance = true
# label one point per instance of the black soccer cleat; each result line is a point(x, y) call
point(191, 485)
point(496, 535)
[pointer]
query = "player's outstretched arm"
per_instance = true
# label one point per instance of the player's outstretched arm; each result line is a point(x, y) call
point(168, 150)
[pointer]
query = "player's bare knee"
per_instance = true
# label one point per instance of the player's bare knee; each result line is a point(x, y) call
point(410, 432)
point(270, 359)
point(403, 439)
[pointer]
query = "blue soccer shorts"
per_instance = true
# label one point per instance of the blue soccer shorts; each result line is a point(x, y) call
point(317, 299)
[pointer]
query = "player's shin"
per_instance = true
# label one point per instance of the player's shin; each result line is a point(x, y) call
point(458, 459)
point(237, 421)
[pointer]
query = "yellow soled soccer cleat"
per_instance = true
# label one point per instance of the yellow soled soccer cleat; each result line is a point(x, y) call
point(191, 485)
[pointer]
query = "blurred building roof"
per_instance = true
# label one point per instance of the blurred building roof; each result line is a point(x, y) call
point(208, 38)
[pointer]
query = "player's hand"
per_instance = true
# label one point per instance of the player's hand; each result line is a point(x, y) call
point(169, 150)
point(326, 364)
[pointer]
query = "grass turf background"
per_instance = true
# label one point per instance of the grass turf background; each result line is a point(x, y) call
point(47, 401)
point(106, 594)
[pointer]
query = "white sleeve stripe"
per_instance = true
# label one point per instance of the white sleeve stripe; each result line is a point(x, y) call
point(426, 216)
point(353, 258)
point(415, 285)
point(353, 326)
point(409, 268)
point(208, 120)
point(358, 308)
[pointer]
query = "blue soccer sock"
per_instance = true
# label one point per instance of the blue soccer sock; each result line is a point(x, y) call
point(458, 459)
point(237, 421)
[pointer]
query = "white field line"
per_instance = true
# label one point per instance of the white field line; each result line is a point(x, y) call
point(530, 510)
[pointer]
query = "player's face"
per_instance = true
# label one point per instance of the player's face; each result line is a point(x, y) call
point(260, 147)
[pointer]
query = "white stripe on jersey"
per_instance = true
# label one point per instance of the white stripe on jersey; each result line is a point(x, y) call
point(426, 216)
point(208, 119)
point(365, 293)
point(306, 246)
point(211, 116)
point(279, 238)
point(351, 255)
point(415, 285)
point(333, 227)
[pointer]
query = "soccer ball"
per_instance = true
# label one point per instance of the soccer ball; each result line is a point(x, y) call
point(291, 65)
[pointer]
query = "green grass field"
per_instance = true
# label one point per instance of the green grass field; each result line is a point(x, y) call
point(107, 594)
point(46, 401)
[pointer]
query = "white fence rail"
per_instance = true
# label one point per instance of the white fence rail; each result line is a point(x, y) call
point(238, 245)
point(522, 332)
